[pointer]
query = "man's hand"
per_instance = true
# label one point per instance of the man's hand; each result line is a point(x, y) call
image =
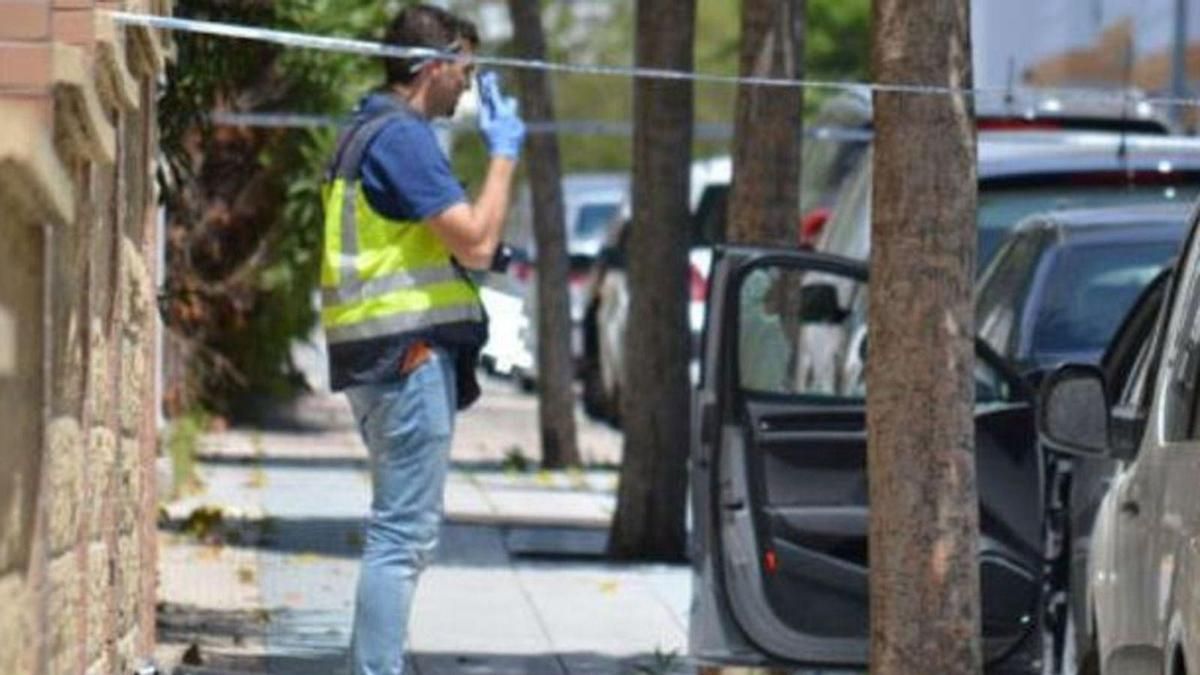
point(472, 231)
point(502, 129)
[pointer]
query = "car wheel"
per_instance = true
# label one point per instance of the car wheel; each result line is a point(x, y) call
point(593, 389)
point(614, 406)
point(594, 403)
point(601, 394)
point(525, 383)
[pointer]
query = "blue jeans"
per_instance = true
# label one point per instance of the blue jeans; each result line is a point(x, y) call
point(407, 426)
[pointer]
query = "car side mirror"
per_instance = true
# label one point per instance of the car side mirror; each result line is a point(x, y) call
point(1073, 411)
point(819, 304)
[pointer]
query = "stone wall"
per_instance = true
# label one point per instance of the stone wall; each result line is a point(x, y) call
point(78, 335)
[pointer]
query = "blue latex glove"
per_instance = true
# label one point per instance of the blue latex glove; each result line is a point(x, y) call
point(502, 129)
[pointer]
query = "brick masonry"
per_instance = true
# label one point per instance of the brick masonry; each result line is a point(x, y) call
point(14, 589)
point(78, 335)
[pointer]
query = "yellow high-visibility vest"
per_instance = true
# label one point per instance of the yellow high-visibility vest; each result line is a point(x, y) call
point(383, 277)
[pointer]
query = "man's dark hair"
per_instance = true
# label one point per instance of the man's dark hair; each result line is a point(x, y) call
point(425, 26)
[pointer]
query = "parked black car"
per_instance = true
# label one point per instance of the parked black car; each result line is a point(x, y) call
point(1063, 281)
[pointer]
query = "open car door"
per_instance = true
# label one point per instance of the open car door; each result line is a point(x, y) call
point(779, 483)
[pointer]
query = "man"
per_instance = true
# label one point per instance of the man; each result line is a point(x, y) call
point(403, 321)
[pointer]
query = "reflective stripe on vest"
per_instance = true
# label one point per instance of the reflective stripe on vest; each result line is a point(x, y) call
point(383, 277)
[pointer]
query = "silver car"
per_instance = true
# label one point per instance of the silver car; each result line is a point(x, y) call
point(1141, 609)
point(590, 205)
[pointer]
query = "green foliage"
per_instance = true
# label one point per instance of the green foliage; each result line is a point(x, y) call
point(592, 97)
point(838, 38)
point(243, 204)
point(515, 460)
point(205, 72)
point(838, 44)
point(183, 438)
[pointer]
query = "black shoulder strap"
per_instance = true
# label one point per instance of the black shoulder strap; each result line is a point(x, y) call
point(353, 141)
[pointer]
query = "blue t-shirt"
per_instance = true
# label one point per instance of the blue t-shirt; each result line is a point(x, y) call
point(405, 174)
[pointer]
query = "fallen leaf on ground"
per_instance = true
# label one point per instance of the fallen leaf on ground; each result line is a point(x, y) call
point(192, 656)
point(257, 479)
point(246, 575)
point(209, 553)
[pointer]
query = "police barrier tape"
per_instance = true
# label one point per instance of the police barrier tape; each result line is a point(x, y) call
point(377, 49)
point(702, 131)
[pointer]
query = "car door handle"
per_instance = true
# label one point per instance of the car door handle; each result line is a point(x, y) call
point(1131, 508)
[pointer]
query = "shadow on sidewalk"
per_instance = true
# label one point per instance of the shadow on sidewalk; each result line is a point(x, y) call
point(460, 544)
point(281, 461)
point(211, 640)
point(310, 664)
point(276, 461)
point(304, 414)
point(184, 624)
point(428, 663)
point(235, 642)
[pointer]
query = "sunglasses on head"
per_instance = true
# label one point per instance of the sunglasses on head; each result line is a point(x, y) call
point(453, 48)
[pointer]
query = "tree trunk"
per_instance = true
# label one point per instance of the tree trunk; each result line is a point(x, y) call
point(764, 197)
point(924, 526)
point(765, 194)
point(556, 372)
point(649, 521)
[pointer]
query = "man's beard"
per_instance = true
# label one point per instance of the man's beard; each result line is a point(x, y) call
point(446, 108)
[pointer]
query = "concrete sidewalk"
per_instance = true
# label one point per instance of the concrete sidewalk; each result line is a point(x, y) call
point(258, 571)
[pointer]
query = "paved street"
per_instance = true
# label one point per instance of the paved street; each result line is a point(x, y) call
point(258, 570)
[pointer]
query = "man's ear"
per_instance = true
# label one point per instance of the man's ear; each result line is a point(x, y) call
point(422, 76)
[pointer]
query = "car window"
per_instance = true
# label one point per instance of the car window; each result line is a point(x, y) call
point(804, 335)
point(708, 223)
point(848, 231)
point(1088, 291)
point(1182, 347)
point(1002, 206)
point(593, 219)
point(795, 333)
point(1141, 376)
point(1003, 290)
point(831, 154)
